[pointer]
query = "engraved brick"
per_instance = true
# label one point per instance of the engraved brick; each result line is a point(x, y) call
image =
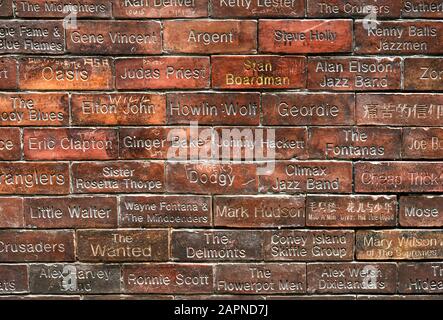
point(258, 8)
point(308, 108)
point(354, 8)
point(351, 211)
point(8, 73)
point(421, 211)
point(34, 109)
point(354, 143)
point(122, 245)
point(88, 73)
point(210, 36)
point(81, 278)
point(70, 144)
point(422, 9)
point(127, 297)
point(118, 177)
point(398, 177)
point(165, 211)
point(361, 277)
point(115, 37)
point(209, 177)
point(216, 245)
point(264, 278)
point(6, 8)
point(422, 143)
point(309, 245)
point(397, 109)
point(160, 9)
point(118, 109)
point(13, 277)
point(399, 244)
point(34, 178)
point(354, 73)
point(308, 176)
point(36, 245)
point(213, 108)
point(162, 73)
point(305, 36)
point(11, 213)
point(258, 72)
point(79, 212)
point(10, 144)
point(167, 278)
point(58, 8)
point(422, 74)
point(259, 211)
point(401, 297)
point(420, 278)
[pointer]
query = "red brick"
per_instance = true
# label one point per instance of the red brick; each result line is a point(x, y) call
point(397, 109)
point(309, 245)
point(388, 176)
point(210, 36)
point(165, 211)
point(11, 213)
point(422, 74)
point(122, 245)
point(305, 36)
point(308, 108)
point(422, 9)
point(36, 245)
point(420, 278)
point(259, 211)
point(118, 177)
point(361, 277)
point(79, 212)
point(258, 72)
point(308, 176)
point(353, 8)
point(399, 244)
point(10, 144)
point(211, 177)
point(216, 245)
point(351, 211)
point(88, 73)
point(231, 8)
point(32, 37)
point(8, 73)
point(354, 73)
point(422, 143)
point(34, 109)
point(57, 8)
point(167, 278)
point(114, 37)
point(421, 211)
point(13, 277)
point(118, 109)
point(162, 73)
point(354, 143)
point(160, 9)
point(266, 278)
point(34, 178)
point(70, 144)
point(6, 8)
point(213, 108)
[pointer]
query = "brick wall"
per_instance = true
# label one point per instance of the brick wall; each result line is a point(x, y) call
point(108, 192)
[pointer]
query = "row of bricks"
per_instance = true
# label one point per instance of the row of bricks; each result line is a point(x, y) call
point(239, 278)
point(221, 108)
point(119, 245)
point(186, 211)
point(221, 36)
point(227, 143)
point(223, 72)
point(221, 8)
point(213, 177)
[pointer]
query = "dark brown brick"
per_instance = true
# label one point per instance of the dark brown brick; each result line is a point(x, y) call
point(122, 245)
point(11, 213)
point(420, 278)
point(421, 74)
point(10, 144)
point(354, 8)
point(422, 143)
point(59, 8)
point(13, 277)
point(160, 9)
point(421, 211)
point(258, 8)
point(165, 211)
point(79, 212)
point(6, 8)
point(259, 211)
point(8, 73)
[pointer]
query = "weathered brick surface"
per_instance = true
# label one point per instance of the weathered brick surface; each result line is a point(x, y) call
point(222, 149)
